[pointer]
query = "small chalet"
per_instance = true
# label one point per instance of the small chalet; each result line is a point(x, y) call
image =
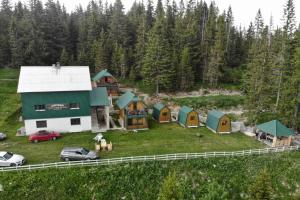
point(161, 113)
point(218, 122)
point(105, 79)
point(133, 112)
point(274, 134)
point(188, 117)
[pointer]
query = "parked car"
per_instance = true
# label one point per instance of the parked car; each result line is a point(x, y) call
point(44, 136)
point(77, 153)
point(8, 159)
point(2, 136)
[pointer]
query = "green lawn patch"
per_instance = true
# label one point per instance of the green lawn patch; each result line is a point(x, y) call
point(211, 102)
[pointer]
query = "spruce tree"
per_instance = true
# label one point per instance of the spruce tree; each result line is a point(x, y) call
point(171, 188)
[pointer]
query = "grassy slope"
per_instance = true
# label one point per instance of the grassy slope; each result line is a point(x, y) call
point(143, 180)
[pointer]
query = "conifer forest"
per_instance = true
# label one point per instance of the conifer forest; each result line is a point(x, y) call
point(170, 46)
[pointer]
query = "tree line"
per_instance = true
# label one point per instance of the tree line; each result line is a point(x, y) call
point(170, 47)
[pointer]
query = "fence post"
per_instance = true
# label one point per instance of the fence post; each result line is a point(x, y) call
point(258, 151)
point(186, 156)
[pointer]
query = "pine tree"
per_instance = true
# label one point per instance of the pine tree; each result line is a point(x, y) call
point(158, 70)
point(186, 71)
point(5, 16)
point(217, 60)
point(170, 189)
point(261, 188)
point(64, 57)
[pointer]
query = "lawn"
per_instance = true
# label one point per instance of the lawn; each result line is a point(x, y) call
point(211, 102)
point(160, 139)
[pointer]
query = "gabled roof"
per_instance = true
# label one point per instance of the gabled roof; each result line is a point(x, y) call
point(158, 106)
point(101, 74)
point(183, 114)
point(125, 99)
point(99, 97)
point(52, 79)
point(156, 110)
point(275, 128)
point(213, 118)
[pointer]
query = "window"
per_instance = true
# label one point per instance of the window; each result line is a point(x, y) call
point(40, 107)
point(164, 114)
point(134, 106)
point(192, 118)
point(75, 121)
point(41, 124)
point(74, 106)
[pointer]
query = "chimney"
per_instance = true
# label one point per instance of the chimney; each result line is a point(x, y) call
point(57, 65)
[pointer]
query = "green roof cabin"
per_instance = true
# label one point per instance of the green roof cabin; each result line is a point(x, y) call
point(132, 112)
point(105, 79)
point(218, 122)
point(188, 117)
point(274, 134)
point(161, 113)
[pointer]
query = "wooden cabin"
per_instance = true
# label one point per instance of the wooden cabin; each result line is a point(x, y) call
point(275, 134)
point(218, 122)
point(161, 113)
point(188, 117)
point(105, 79)
point(133, 112)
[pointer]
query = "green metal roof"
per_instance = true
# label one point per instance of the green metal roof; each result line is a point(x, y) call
point(101, 74)
point(275, 128)
point(156, 110)
point(99, 97)
point(213, 119)
point(183, 114)
point(158, 106)
point(125, 99)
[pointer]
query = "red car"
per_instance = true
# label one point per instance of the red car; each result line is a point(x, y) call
point(44, 136)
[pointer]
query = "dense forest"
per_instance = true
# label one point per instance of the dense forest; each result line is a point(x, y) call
point(170, 47)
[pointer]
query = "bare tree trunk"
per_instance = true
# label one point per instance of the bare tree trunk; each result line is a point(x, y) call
point(279, 90)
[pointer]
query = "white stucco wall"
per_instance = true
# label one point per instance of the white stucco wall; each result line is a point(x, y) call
point(59, 124)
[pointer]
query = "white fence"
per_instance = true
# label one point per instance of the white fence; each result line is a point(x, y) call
point(178, 156)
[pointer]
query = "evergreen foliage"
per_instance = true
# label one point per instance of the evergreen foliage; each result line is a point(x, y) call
point(171, 46)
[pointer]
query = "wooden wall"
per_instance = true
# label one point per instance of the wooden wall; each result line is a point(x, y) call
point(163, 117)
point(192, 119)
point(224, 125)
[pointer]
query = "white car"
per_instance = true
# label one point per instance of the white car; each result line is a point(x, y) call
point(8, 159)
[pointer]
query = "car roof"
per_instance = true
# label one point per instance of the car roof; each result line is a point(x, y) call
point(72, 148)
point(2, 153)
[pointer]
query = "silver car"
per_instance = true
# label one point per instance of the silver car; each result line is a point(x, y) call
point(2, 136)
point(8, 159)
point(77, 153)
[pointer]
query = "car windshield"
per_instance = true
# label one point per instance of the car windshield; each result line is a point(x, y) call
point(7, 156)
point(42, 132)
point(84, 151)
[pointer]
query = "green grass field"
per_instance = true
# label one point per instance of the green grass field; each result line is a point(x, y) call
point(160, 139)
point(211, 102)
point(195, 177)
